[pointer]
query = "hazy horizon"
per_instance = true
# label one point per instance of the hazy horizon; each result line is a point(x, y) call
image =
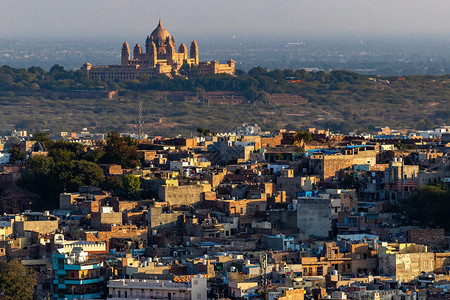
point(195, 19)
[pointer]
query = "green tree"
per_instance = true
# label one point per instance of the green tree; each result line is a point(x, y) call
point(113, 183)
point(61, 155)
point(49, 178)
point(16, 281)
point(429, 206)
point(39, 165)
point(131, 185)
point(43, 137)
point(76, 148)
point(302, 137)
point(349, 181)
point(185, 69)
point(73, 174)
point(200, 131)
point(120, 150)
point(16, 153)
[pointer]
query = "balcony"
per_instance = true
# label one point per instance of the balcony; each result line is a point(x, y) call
point(83, 281)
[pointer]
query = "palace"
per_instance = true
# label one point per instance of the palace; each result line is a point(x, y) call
point(159, 58)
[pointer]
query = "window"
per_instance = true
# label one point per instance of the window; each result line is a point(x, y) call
point(61, 264)
point(358, 256)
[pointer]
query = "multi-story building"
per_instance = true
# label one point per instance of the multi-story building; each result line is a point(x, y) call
point(314, 216)
point(405, 261)
point(400, 180)
point(195, 287)
point(329, 164)
point(159, 57)
point(76, 276)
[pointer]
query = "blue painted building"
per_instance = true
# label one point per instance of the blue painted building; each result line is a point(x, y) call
point(77, 277)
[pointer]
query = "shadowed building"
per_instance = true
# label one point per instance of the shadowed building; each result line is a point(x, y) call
point(159, 57)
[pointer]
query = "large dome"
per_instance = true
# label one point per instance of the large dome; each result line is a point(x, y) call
point(160, 34)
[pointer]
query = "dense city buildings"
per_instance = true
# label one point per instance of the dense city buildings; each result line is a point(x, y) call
point(234, 215)
point(159, 57)
point(305, 165)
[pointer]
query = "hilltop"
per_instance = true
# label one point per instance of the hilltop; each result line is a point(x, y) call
point(339, 100)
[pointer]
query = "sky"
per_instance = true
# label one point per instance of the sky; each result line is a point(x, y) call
point(73, 19)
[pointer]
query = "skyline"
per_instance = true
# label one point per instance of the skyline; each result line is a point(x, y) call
point(94, 19)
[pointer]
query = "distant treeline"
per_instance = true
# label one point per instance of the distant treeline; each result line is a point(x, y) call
point(252, 83)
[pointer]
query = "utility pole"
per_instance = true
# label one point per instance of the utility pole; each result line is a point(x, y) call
point(140, 121)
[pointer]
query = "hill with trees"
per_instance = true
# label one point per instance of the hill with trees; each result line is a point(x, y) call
point(339, 100)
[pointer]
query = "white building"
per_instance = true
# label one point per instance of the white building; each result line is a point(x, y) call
point(4, 158)
point(195, 288)
point(436, 133)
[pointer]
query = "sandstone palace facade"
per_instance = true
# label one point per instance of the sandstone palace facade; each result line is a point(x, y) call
point(159, 58)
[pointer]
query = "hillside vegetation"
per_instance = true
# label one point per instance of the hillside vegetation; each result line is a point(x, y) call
point(340, 100)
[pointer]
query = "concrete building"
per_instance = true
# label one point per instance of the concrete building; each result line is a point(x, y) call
point(405, 261)
point(280, 242)
point(6, 229)
point(400, 180)
point(195, 288)
point(42, 223)
point(242, 290)
point(159, 57)
point(183, 194)
point(292, 185)
point(106, 218)
point(226, 151)
point(314, 216)
point(434, 238)
point(77, 277)
point(159, 217)
point(328, 165)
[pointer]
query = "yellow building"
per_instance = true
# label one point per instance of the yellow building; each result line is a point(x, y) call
point(159, 57)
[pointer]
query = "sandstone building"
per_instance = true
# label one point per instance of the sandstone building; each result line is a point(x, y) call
point(159, 57)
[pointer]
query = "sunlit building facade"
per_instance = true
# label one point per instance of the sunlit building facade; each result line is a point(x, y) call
point(159, 57)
